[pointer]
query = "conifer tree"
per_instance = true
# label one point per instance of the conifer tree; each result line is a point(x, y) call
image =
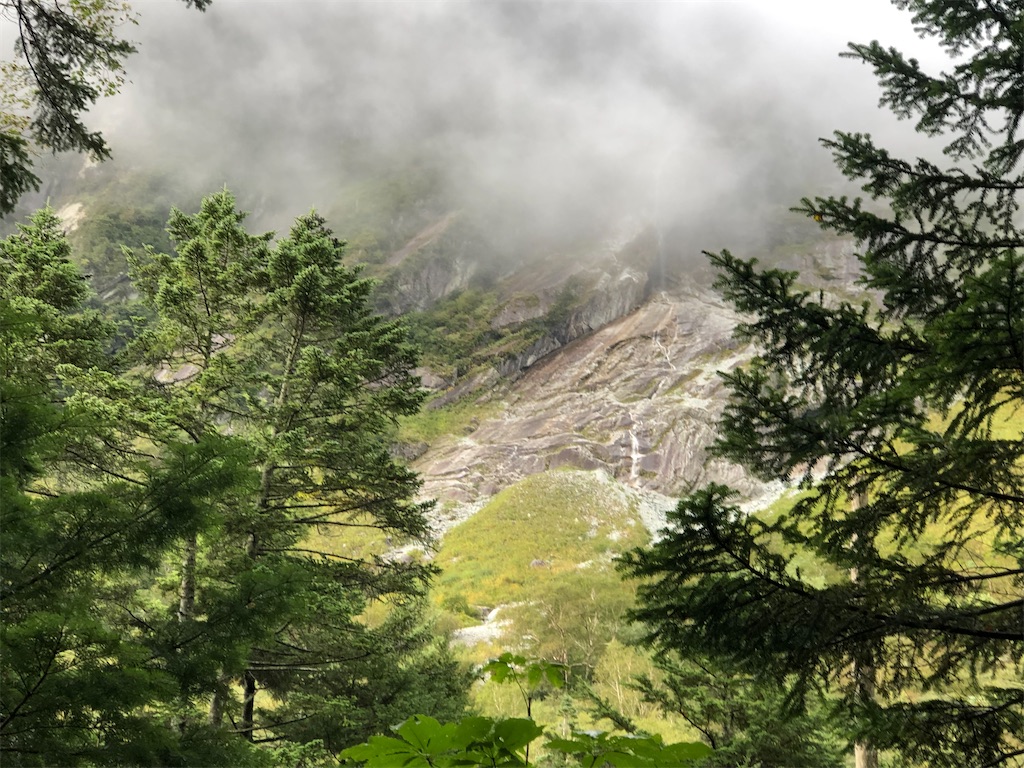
point(334, 377)
point(279, 347)
point(84, 515)
point(201, 297)
point(908, 401)
point(743, 719)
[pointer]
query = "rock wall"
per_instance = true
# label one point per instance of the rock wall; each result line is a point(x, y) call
point(626, 384)
point(638, 398)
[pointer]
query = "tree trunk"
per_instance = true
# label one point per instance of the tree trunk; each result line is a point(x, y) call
point(186, 605)
point(252, 545)
point(248, 678)
point(187, 589)
point(864, 754)
point(216, 710)
point(248, 704)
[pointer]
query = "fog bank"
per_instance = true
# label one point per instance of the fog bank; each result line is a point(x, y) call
point(543, 118)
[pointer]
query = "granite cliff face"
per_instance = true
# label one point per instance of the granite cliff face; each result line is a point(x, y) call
point(624, 382)
point(438, 261)
point(599, 355)
point(637, 398)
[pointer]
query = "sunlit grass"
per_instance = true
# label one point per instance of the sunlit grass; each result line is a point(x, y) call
point(542, 527)
point(456, 418)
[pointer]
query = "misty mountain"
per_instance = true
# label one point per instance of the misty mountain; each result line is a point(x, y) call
point(560, 168)
point(544, 120)
point(531, 184)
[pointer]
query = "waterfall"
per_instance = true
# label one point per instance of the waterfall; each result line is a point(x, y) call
point(634, 455)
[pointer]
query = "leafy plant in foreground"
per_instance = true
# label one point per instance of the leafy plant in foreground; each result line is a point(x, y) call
point(422, 742)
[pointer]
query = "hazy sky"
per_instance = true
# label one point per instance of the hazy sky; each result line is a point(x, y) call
point(555, 112)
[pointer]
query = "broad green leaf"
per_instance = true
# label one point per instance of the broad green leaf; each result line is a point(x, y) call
point(515, 733)
point(498, 670)
point(471, 729)
point(427, 735)
point(534, 674)
point(621, 759)
point(383, 751)
point(501, 668)
point(673, 754)
point(569, 746)
point(555, 674)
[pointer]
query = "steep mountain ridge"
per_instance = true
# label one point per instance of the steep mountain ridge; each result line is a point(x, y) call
point(624, 384)
point(637, 398)
point(598, 355)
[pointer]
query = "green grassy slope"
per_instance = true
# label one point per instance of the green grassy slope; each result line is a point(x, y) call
point(534, 532)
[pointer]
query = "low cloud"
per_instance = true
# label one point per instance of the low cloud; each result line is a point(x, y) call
point(550, 118)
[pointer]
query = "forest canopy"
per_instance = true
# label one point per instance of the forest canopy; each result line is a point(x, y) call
point(162, 506)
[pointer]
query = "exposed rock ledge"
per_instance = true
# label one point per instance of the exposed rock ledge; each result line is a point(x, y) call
point(628, 386)
point(637, 398)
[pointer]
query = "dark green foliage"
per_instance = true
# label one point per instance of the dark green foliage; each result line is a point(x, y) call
point(746, 721)
point(79, 685)
point(474, 740)
point(459, 333)
point(342, 376)
point(902, 418)
point(280, 347)
point(563, 306)
point(602, 749)
point(99, 238)
point(84, 518)
point(38, 278)
point(38, 268)
point(533, 678)
point(456, 329)
point(389, 672)
point(16, 176)
point(423, 742)
point(483, 741)
point(164, 525)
